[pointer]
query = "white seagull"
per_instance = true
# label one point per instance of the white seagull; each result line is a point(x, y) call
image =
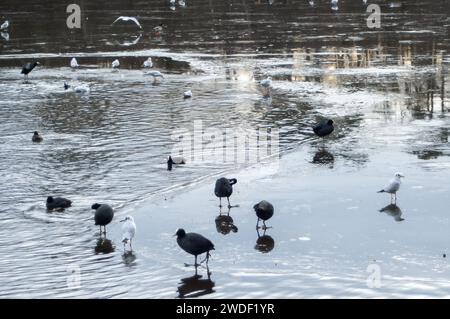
point(129, 19)
point(5, 35)
point(148, 63)
point(128, 230)
point(266, 82)
point(4, 26)
point(74, 63)
point(115, 64)
point(187, 94)
point(393, 186)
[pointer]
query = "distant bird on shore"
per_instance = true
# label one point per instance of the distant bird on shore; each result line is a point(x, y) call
point(148, 63)
point(57, 203)
point(74, 63)
point(224, 188)
point(36, 137)
point(393, 186)
point(115, 64)
point(133, 19)
point(27, 68)
point(324, 128)
point(4, 26)
point(175, 160)
point(187, 94)
point(194, 244)
point(104, 214)
point(128, 230)
point(267, 82)
point(264, 211)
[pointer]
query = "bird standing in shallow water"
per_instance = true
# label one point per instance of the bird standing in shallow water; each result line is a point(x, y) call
point(148, 63)
point(128, 229)
point(74, 63)
point(267, 82)
point(177, 160)
point(115, 64)
point(36, 137)
point(264, 211)
point(393, 186)
point(194, 244)
point(103, 215)
point(27, 68)
point(58, 203)
point(224, 188)
point(324, 128)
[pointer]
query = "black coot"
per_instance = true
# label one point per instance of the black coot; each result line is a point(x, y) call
point(224, 188)
point(194, 244)
point(264, 211)
point(103, 215)
point(27, 68)
point(324, 128)
point(57, 203)
point(36, 137)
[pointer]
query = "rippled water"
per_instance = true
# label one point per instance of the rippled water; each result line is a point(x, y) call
point(386, 90)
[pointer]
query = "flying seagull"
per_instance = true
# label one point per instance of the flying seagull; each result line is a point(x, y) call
point(129, 19)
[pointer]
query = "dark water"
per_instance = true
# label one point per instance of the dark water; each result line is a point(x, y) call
point(386, 90)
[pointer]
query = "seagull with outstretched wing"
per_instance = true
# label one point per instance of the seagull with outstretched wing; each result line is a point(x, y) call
point(129, 19)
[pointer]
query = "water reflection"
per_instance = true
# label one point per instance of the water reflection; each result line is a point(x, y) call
point(195, 286)
point(394, 211)
point(104, 246)
point(323, 157)
point(225, 223)
point(264, 243)
point(128, 258)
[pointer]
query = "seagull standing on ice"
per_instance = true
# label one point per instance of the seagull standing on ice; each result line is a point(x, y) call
point(115, 64)
point(4, 26)
point(148, 63)
point(129, 19)
point(74, 63)
point(393, 186)
point(128, 229)
point(267, 82)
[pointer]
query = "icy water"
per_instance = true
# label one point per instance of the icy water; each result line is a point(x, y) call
point(385, 89)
